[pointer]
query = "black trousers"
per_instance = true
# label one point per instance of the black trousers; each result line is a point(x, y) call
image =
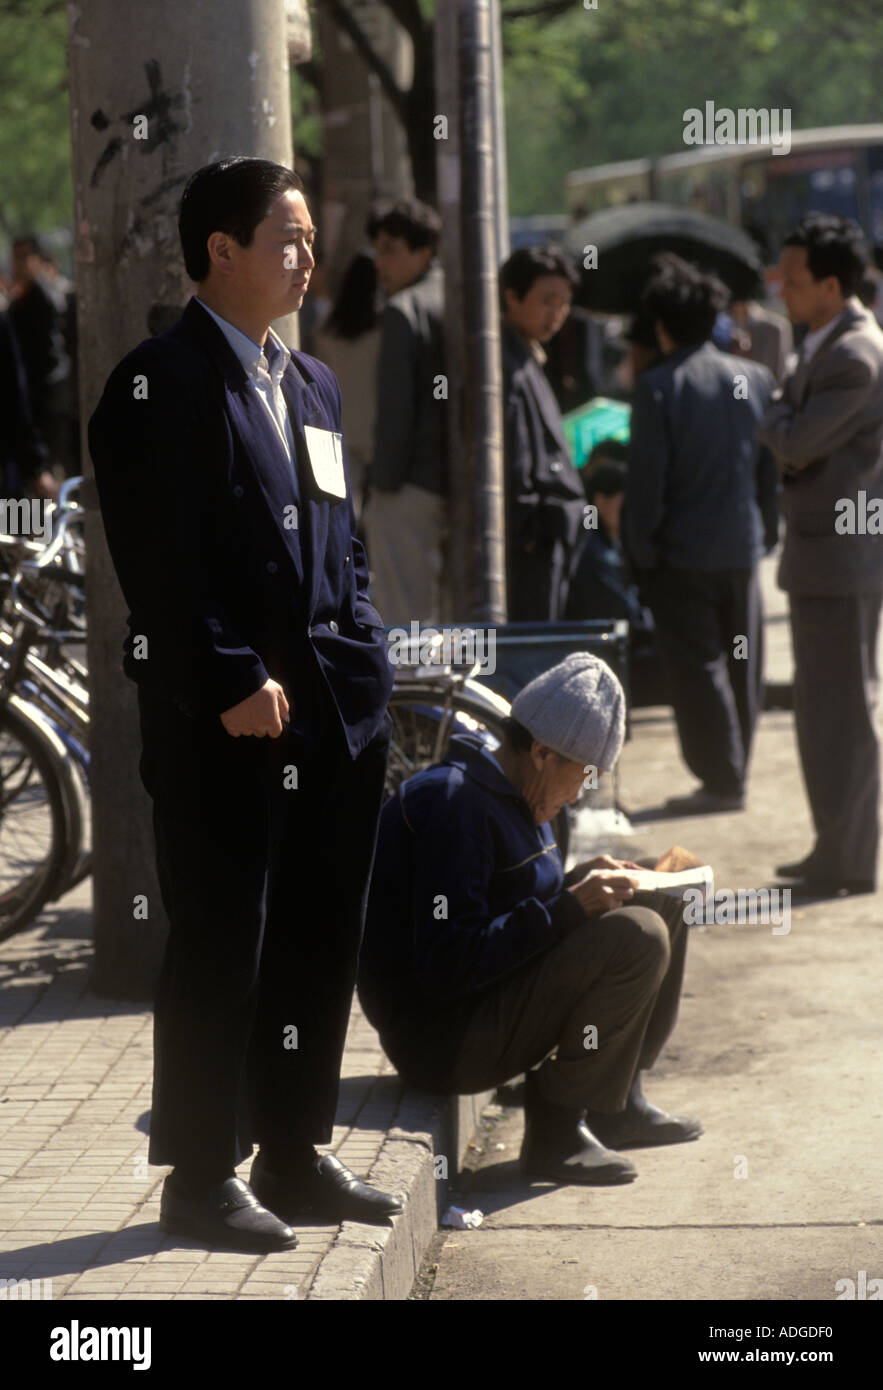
point(716, 683)
point(620, 973)
point(538, 581)
point(265, 887)
point(835, 699)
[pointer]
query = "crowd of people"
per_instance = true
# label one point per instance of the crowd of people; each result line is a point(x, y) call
point(667, 531)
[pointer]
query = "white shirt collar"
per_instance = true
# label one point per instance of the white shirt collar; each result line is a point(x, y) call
point(810, 344)
point(272, 358)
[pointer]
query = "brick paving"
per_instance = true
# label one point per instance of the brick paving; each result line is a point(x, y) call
point(78, 1202)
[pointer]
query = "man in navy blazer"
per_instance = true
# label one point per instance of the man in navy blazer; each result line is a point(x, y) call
point(263, 680)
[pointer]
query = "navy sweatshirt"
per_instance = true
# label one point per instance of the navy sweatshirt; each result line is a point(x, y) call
point(466, 889)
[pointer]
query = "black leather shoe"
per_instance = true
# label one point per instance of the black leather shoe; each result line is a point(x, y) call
point(557, 1145)
point(704, 802)
point(813, 887)
point(798, 869)
point(644, 1128)
point(228, 1215)
point(329, 1190)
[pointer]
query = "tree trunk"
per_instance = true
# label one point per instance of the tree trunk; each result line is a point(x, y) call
point(211, 79)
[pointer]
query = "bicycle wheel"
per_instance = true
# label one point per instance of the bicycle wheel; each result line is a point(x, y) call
point(423, 721)
point(33, 820)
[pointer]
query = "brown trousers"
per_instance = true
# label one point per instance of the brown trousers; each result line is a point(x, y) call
point(604, 1000)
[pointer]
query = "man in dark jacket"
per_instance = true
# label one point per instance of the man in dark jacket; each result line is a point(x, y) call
point(544, 496)
point(602, 585)
point(700, 510)
point(39, 315)
point(404, 516)
point(263, 682)
point(480, 957)
point(24, 457)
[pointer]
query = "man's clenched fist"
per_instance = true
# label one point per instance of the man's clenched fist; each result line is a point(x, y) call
point(261, 714)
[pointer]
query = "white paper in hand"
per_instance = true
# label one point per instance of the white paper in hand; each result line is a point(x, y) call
point(674, 884)
point(325, 449)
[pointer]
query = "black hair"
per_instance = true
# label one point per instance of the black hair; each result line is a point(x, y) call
point(416, 223)
point(684, 299)
point(518, 738)
point(232, 196)
point(529, 264)
point(607, 478)
point(867, 290)
point(834, 246)
point(641, 332)
point(613, 450)
point(30, 240)
point(354, 310)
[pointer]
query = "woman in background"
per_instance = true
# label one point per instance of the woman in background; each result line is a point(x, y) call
point(348, 341)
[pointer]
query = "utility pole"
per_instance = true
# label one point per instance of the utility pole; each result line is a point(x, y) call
point(471, 181)
point(156, 92)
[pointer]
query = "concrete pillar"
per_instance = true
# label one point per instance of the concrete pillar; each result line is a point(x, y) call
point(210, 79)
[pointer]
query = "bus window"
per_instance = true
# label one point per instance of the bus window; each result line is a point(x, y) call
point(875, 189)
point(777, 193)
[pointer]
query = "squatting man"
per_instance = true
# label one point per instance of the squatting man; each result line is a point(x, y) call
point(481, 959)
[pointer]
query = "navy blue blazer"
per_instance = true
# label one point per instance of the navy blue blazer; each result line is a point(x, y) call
point(229, 584)
point(701, 492)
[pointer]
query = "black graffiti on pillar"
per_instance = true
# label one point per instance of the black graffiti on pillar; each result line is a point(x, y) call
point(139, 223)
point(162, 128)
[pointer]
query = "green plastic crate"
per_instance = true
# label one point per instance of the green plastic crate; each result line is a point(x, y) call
point(593, 422)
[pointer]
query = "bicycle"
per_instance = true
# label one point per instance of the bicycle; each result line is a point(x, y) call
point(430, 702)
point(45, 822)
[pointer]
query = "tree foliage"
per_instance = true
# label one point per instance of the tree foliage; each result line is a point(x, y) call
point(595, 86)
point(35, 145)
point(583, 86)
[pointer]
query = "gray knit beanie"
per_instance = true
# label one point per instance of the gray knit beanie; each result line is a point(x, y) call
point(577, 709)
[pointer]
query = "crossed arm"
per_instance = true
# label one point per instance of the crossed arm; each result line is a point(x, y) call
point(843, 384)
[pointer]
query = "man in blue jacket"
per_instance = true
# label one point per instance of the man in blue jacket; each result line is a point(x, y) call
point(480, 957)
point(700, 510)
point(262, 682)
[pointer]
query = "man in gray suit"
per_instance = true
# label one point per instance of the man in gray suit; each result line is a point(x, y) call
point(826, 433)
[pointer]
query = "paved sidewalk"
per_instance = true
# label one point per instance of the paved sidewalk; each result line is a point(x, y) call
point(78, 1203)
point(777, 1050)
